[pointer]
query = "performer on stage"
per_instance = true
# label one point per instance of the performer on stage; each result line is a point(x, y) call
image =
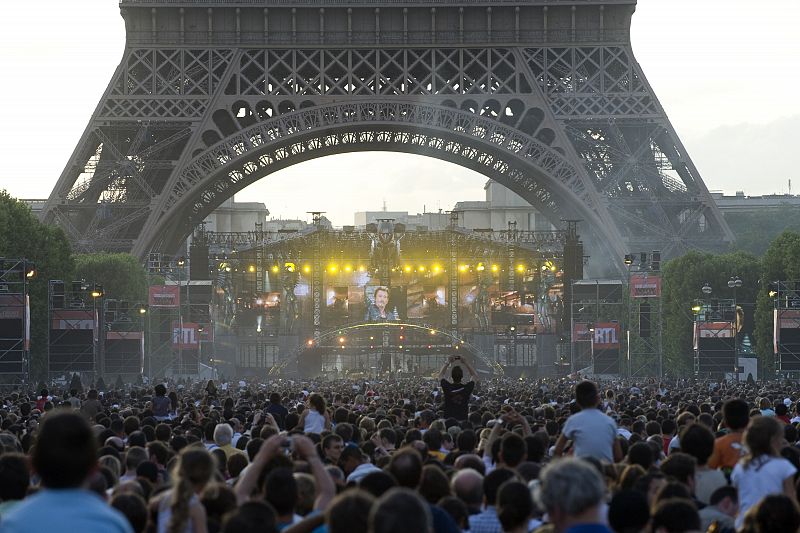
point(376, 311)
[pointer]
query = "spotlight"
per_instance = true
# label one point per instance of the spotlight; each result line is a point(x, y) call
point(181, 261)
point(30, 270)
point(97, 291)
point(251, 268)
point(520, 268)
point(407, 268)
point(348, 268)
point(275, 269)
point(306, 269)
point(495, 268)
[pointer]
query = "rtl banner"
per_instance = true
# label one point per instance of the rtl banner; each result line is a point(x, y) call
point(784, 319)
point(712, 330)
point(606, 336)
point(645, 285)
point(165, 296)
point(185, 336)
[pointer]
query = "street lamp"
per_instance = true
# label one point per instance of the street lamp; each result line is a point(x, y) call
point(706, 289)
point(734, 283)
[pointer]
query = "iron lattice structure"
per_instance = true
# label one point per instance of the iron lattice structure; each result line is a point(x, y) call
point(543, 96)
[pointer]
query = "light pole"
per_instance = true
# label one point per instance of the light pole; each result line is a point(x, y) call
point(181, 262)
point(734, 283)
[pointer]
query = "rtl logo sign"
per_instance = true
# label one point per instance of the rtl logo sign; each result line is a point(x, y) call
point(606, 336)
point(185, 336)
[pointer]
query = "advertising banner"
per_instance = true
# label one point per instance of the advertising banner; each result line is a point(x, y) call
point(164, 296)
point(606, 336)
point(645, 285)
point(185, 336)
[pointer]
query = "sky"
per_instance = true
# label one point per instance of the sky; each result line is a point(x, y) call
point(726, 71)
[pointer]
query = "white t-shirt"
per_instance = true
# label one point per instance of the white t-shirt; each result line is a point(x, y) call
point(762, 477)
point(593, 434)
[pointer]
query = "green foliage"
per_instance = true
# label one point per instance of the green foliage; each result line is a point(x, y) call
point(781, 262)
point(683, 278)
point(754, 230)
point(23, 236)
point(122, 275)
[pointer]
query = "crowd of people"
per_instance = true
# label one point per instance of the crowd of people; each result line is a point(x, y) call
point(410, 455)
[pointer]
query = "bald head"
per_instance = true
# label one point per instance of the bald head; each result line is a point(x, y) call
point(470, 460)
point(467, 485)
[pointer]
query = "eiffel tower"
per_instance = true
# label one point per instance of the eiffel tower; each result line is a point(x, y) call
point(543, 96)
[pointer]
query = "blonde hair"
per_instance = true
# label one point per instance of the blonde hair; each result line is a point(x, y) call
point(192, 472)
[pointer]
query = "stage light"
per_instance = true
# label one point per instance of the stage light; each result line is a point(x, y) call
point(259, 301)
point(480, 267)
point(332, 268)
point(361, 268)
point(227, 269)
point(520, 268)
point(407, 268)
point(341, 340)
point(697, 308)
point(97, 291)
point(773, 294)
point(275, 269)
point(348, 268)
point(142, 309)
point(462, 268)
point(30, 270)
point(181, 261)
point(306, 269)
point(251, 268)
point(421, 268)
point(401, 346)
point(436, 268)
point(372, 338)
point(290, 267)
point(433, 332)
point(495, 268)
point(310, 342)
point(401, 337)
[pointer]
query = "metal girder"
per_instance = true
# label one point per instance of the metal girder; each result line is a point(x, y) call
point(564, 117)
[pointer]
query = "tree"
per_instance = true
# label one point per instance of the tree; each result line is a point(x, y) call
point(781, 262)
point(683, 278)
point(756, 229)
point(23, 236)
point(122, 275)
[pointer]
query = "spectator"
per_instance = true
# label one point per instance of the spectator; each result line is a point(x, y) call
point(572, 493)
point(487, 520)
point(628, 512)
point(179, 508)
point(514, 507)
point(698, 441)
point(728, 449)
point(399, 511)
point(773, 514)
point(592, 433)
point(14, 481)
point(723, 506)
point(675, 515)
point(457, 394)
point(349, 512)
point(63, 458)
point(763, 471)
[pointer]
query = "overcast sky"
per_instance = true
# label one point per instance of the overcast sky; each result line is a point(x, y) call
point(727, 72)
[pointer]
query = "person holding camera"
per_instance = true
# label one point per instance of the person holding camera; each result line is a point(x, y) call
point(457, 394)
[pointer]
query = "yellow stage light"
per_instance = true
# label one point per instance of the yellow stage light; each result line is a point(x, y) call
point(495, 268)
point(520, 268)
point(341, 340)
point(290, 267)
point(462, 268)
point(275, 269)
point(361, 268)
point(348, 268)
point(306, 269)
point(332, 268)
point(407, 268)
point(421, 269)
point(480, 267)
point(436, 268)
point(251, 268)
